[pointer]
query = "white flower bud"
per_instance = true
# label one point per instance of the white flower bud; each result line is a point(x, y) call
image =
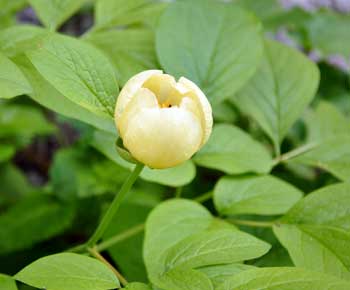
point(162, 122)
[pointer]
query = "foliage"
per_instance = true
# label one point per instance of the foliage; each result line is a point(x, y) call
point(265, 204)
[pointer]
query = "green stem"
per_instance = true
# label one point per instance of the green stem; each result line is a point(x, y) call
point(294, 153)
point(257, 224)
point(113, 208)
point(120, 237)
point(204, 197)
point(178, 192)
point(93, 252)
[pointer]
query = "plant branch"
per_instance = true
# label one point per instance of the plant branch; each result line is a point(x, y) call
point(294, 153)
point(94, 252)
point(113, 208)
point(204, 197)
point(178, 192)
point(120, 237)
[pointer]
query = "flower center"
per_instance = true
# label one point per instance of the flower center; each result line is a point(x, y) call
point(167, 91)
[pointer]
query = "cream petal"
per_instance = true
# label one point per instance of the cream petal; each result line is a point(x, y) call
point(144, 98)
point(130, 89)
point(162, 138)
point(203, 105)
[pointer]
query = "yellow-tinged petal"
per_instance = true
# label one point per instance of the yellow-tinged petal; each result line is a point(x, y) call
point(130, 89)
point(162, 138)
point(144, 98)
point(203, 105)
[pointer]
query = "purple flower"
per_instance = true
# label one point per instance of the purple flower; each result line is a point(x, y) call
point(339, 62)
point(27, 15)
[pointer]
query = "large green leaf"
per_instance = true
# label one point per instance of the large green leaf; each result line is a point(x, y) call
point(278, 93)
point(175, 176)
point(216, 45)
point(70, 272)
point(7, 283)
point(111, 13)
point(332, 155)
point(137, 286)
point(20, 38)
point(325, 122)
point(58, 103)
point(23, 122)
point(71, 178)
point(182, 235)
point(316, 231)
point(184, 279)
point(32, 220)
point(12, 81)
point(329, 33)
point(283, 279)
point(79, 71)
point(220, 273)
point(130, 50)
point(14, 183)
point(214, 247)
point(53, 13)
point(233, 151)
point(265, 195)
point(169, 223)
point(6, 152)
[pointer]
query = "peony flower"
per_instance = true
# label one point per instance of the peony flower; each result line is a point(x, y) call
point(162, 122)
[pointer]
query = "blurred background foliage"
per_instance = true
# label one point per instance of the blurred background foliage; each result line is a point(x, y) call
point(57, 174)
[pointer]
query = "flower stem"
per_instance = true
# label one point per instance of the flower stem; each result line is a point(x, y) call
point(120, 237)
point(113, 208)
point(248, 223)
point(97, 255)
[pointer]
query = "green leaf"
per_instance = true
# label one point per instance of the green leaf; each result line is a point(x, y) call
point(169, 223)
point(32, 220)
point(326, 122)
point(79, 71)
point(220, 273)
point(130, 50)
point(185, 279)
point(7, 283)
point(316, 231)
point(53, 13)
point(8, 7)
point(332, 155)
point(12, 82)
point(264, 195)
point(278, 93)
point(69, 272)
point(23, 122)
point(6, 152)
point(329, 33)
point(72, 179)
point(283, 278)
point(58, 103)
point(18, 39)
point(14, 183)
point(175, 176)
point(214, 247)
point(137, 286)
point(216, 45)
point(111, 13)
point(181, 235)
point(233, 151)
